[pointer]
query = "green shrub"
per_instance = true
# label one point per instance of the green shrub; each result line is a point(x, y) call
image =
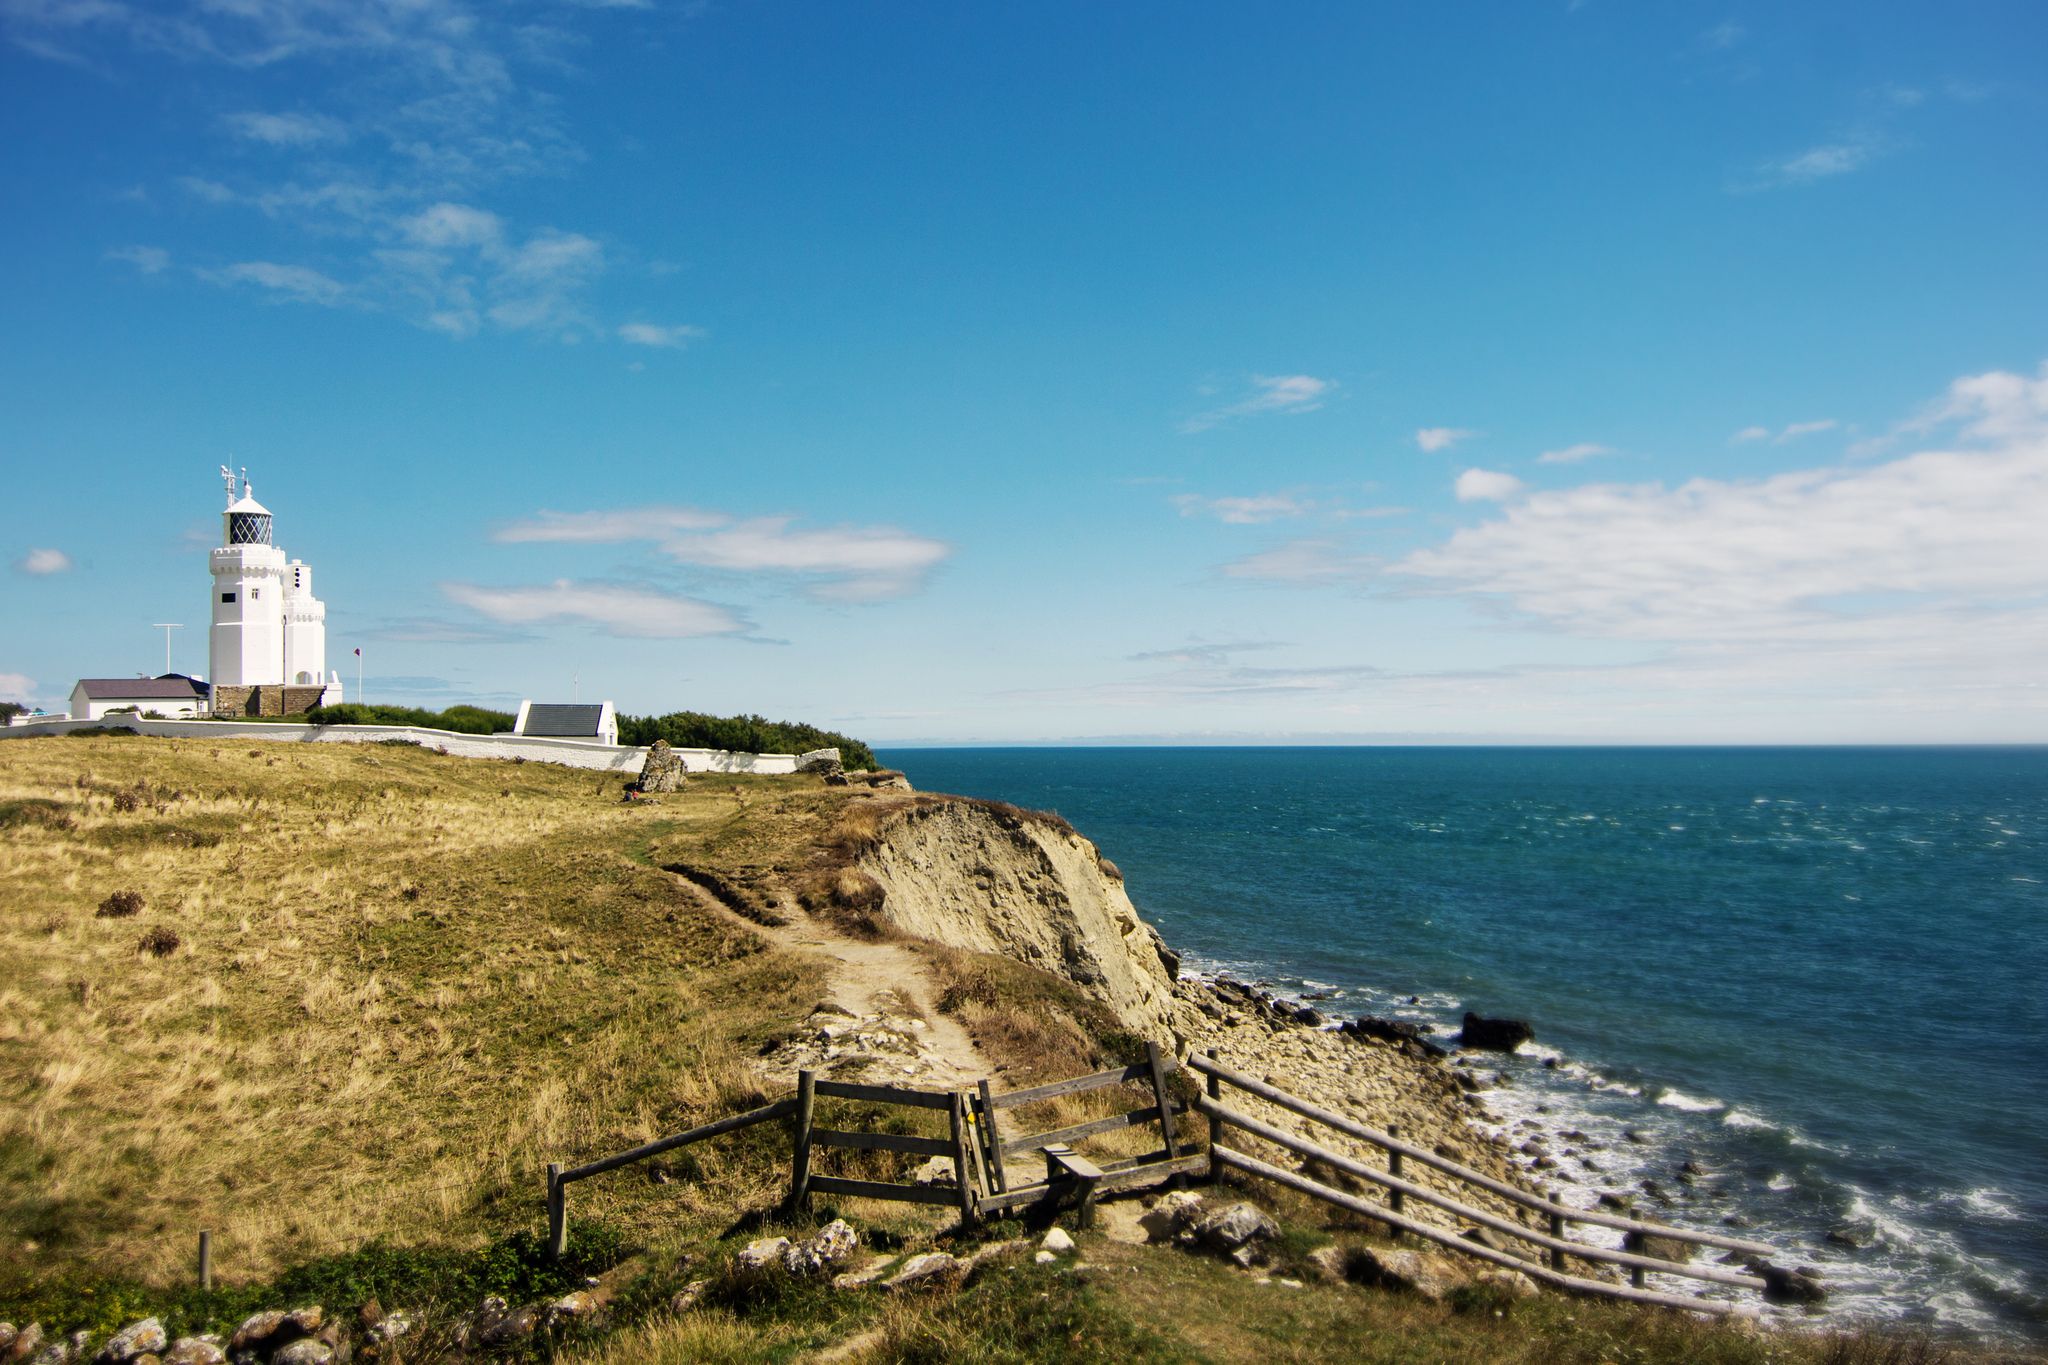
point(741, 734)
point(464, 720)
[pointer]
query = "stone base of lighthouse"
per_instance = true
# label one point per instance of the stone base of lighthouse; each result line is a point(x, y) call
point(269, 699)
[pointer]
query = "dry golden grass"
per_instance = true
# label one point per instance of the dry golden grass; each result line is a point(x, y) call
point(403, 983)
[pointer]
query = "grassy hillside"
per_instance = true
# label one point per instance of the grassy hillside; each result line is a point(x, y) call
point(341, 1005)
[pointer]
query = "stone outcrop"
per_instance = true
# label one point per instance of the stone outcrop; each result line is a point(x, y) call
point(662, 771)
point(975, 875)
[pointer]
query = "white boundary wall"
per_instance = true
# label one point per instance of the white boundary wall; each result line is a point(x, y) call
point(573, 753)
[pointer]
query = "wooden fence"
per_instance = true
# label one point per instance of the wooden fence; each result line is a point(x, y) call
point(983, 1184)
point(1399, 1189)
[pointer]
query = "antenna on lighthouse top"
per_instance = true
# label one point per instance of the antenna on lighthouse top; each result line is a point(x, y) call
point(228, 476)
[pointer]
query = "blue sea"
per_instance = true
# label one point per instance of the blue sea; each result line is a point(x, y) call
point(1822, 974)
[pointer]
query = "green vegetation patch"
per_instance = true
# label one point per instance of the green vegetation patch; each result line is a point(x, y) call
point(743, 735)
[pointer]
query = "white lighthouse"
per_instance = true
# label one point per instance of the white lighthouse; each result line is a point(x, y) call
point(268, 628)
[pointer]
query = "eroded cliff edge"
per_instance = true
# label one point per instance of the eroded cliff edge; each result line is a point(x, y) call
point(1025, 885)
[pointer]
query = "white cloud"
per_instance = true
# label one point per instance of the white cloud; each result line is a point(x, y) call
point(18, 687)
point(288, 130)
point(1242, 511)
point(42, 563)
point(1487, 485)
point(635, 613)
point(147, 259)
point(1272, 393)
point(647, 334)
point(1823, 162)
point(839, 563)
point(1305, 563)
point(1790, 433)
point(1441, 438)
point(446, 225)
point(1574, 454)
point(286, 283)
point(1931, 547)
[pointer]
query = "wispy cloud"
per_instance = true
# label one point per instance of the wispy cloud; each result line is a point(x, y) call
point(405, 115)
point(836, 563)
point(431, 630)
point(1574, 454)
point(1270, 393)
point(282, 283)
point(39, 563)
point(1442, 438)
point(1202, 653)
point(647, 334)
point(1487, 485)
point(287, 130)
point(1305, 563)
point(1250, 511)
point(147, 259)
point(18, 687)
point(1793, 432)
point(632, 612)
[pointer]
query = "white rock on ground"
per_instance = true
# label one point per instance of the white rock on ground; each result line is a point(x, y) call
point(1057, 1240)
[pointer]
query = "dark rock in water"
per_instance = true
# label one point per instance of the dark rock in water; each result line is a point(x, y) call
point(1855, 1236)
point(1693, 1168)
point(1633, 1136)
point(1611, 1200)
point(1309, 1015)
point(1553, 1063)
point(1495, 1035)
point(1397, 1031)
point(1652, 1187)
point(1738, 1220)
point(1789, 1286)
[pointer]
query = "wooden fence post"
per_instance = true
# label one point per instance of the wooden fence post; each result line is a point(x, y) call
point(1165, 1100)
point(1557, 1223)
point(995, 1140)
point(1395, 1199)
point(558, 1213)
point(205, 1259)
point(957, 1111)
point(1216, 1125)
point(800, 1154)
point(1636, 1277)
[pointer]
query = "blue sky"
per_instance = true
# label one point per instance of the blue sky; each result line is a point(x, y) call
point(1590, 370)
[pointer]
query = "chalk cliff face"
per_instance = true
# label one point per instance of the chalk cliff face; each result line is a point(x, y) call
point(972, 875)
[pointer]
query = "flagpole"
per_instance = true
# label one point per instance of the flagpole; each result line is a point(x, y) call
point(359, 677)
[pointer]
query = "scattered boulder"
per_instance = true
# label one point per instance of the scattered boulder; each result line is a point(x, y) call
point(1790, 1286)
point(141, 1338)
point(762, 1252)
point(687, 1297)
point(576, 1304)
point(823, 762)
point(938, 1172)
point(1663, 1248)
point(267, 1331)
point(1512, 1282)
point(1057, 1240)
point(1495, 1035)
point(494, 1324)
point(1331, 1262)
point(1174, 1214)
point(867, 1274)
point(931, 1270)
point(1309, 1015)
point(24, 1344)
point(663, 770)
point(304, 1351)
point(823, 1250)
point(1232, 1229)
point(195, 1351)
point(1414, 1272)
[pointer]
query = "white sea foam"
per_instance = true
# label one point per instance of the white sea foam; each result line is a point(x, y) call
point(1988, 1203)
point(1678, 1099)
point(1736, 1118)
point(1779, 1181)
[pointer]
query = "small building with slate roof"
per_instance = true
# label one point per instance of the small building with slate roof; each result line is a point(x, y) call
point(173, 695)
point(593, 722)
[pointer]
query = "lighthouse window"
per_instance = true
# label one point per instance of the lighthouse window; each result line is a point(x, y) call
point(255, 593)
point(227, 597)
